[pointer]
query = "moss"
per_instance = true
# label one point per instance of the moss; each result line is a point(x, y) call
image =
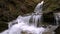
point(51, 5)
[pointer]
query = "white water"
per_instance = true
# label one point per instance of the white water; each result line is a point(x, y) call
point(57, 17)
point(17, 28)
point(23, 24)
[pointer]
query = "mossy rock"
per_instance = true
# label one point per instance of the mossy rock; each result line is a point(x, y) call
point(51, 5)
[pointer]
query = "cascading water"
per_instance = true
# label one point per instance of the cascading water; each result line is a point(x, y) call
point(57, 17)
point(28, 24)
point(36, 17)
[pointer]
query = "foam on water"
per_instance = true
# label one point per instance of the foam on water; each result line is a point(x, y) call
point(17, 28)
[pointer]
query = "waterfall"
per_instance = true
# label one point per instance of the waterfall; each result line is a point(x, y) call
point(38, 8)
point(57, 17)
point(28, 24)
point(36, 17)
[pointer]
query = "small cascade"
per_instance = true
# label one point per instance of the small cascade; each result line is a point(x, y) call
point(57, 17)
point(35, 20)
point(36, 17)
point(24, 19)
point(38, 8)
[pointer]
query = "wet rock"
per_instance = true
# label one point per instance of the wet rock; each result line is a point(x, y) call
point(3, 26)
point(57, 30)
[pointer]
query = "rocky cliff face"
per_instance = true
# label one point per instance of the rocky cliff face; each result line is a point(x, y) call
point(10, 9)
